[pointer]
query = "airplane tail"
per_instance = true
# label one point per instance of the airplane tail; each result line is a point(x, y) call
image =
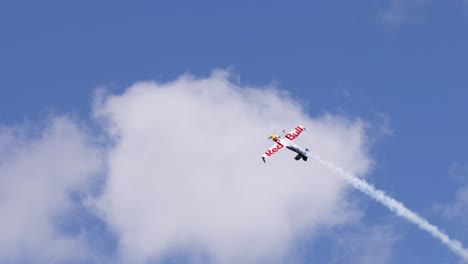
point(300, 156)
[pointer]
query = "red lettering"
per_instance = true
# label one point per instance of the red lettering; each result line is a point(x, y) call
point(274, 150)
point(293, 135)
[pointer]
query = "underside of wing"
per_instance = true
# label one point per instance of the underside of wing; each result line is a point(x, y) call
point(295, 133)
point(275, 148)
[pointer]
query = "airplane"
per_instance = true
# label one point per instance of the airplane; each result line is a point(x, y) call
point(286, 141)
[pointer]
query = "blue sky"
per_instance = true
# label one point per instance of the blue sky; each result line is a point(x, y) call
point(401, 65)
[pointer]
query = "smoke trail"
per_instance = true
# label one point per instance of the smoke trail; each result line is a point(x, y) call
point(398, 208)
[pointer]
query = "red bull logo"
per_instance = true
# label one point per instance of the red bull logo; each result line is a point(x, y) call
point(293, 135)
point(274, 150)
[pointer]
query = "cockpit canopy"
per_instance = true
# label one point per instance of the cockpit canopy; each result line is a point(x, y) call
point(274, 136)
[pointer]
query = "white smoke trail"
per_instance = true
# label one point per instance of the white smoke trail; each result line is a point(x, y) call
point(398, 208)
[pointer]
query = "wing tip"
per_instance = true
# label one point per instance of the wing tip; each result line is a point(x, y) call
point(264, 159)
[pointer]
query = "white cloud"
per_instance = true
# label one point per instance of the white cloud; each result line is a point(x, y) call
point(184, 175)
point(366, 245)
point(458, 171)
point(37, 174)
point(402, 11)
point(458, 209)
point(185, 172)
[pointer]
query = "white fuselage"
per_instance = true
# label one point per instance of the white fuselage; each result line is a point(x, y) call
point(291, 146)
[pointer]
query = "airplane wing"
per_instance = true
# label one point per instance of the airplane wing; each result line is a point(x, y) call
point(279, 144)
point(295, 133)
point(275, 148)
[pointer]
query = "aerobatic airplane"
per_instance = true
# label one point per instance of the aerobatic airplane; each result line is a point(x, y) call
point(286, 141)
